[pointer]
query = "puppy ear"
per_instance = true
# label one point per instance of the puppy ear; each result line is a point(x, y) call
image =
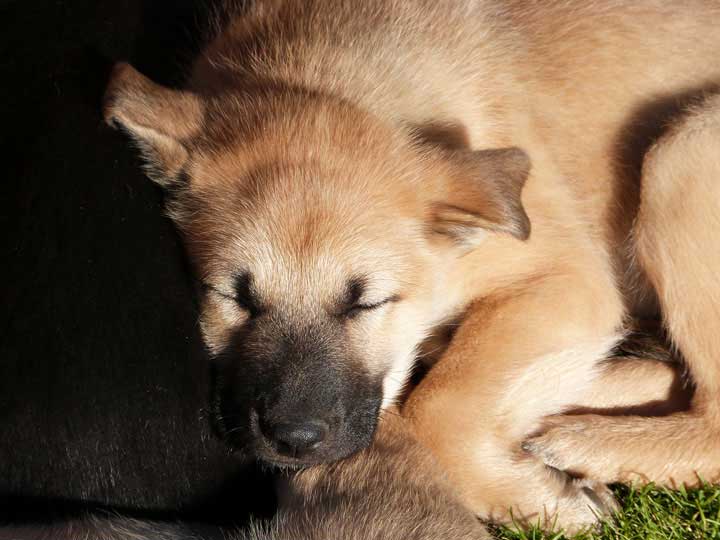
point(159, 119)
point(482, 194)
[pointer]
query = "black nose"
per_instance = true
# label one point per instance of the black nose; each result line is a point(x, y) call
point(294, 437)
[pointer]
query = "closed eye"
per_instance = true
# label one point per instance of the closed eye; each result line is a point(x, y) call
point(217, 291)
point(357, 309)
point(242, 294)
point(245, 295)
point(212, 288)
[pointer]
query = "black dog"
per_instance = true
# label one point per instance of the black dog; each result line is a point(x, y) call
point(104, 382)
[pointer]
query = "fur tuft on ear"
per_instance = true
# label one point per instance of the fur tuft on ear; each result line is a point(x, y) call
point(482, 195)
point(159, 119)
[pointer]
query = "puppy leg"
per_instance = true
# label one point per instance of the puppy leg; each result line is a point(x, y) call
point(514, 360)
point(679, 247)
point(642, 377)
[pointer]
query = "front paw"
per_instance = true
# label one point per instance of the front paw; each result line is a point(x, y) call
point(571, 506)
point(570, 444)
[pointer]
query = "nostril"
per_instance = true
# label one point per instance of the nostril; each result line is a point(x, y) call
point(297, 436)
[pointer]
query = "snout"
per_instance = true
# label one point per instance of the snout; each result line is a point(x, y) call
point(296, 438)
point(297, 398)
point(299, 435)
point(295, 429)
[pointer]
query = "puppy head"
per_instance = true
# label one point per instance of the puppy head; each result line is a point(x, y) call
point(321, 238)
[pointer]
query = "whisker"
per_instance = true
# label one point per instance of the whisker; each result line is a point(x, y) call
point(428, 353)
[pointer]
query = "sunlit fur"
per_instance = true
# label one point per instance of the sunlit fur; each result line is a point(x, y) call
point(299, 150)
point(677, 241)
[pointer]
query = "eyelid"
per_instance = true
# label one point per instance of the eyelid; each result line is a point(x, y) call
point(369, 307)
point(249, 307)
point(213, 288)
point(388, 300)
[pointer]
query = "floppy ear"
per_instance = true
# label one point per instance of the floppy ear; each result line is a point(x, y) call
point(159, 119)
point(482, 193)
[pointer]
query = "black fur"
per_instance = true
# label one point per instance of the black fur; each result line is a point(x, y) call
point(245, 296)
point(274, 371)
point(104, 381)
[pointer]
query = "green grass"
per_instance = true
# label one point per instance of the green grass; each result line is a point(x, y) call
point(651, 513)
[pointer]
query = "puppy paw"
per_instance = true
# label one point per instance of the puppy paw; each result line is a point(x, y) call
point(600, 498)
point(581, 507)
point(570, 444)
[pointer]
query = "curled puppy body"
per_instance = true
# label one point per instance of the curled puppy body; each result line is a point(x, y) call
point(348, 176)
point(391, 490)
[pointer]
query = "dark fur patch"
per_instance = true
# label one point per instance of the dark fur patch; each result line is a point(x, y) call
point(274, 371)
point(245, 296)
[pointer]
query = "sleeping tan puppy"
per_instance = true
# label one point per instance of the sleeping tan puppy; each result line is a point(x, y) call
point(349, 177)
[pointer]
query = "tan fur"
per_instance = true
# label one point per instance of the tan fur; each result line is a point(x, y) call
point(394, 489)
point(677, 241)
point(333, 131)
